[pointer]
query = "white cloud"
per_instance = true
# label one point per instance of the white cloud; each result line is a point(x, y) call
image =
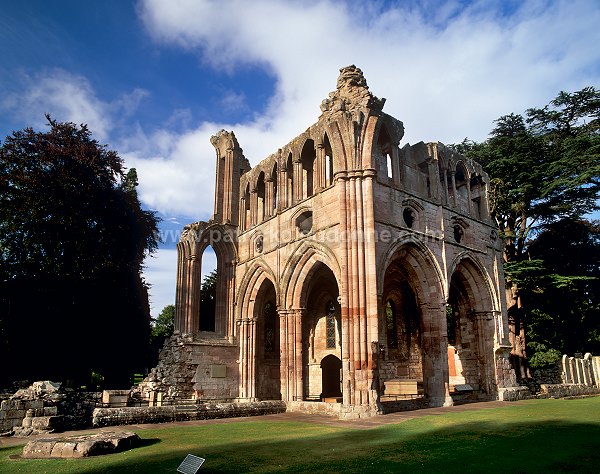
point(446, 74)
point(446, 70)
point(160, 271)
point(68, 98)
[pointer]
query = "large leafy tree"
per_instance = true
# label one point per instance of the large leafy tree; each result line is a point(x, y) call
point(73, 237)
point(162, 328)
point(545, 175)
point(208, 298)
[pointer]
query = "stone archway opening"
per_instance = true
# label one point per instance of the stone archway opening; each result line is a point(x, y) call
point(331, 378)
point(413, 364)
point(268, 359)
point(469, 316)
point(402, 369)
point(321, 335)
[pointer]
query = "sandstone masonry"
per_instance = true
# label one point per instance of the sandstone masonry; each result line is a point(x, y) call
point(352, 272)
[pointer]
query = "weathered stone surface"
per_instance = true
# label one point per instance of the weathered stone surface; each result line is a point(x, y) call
point(202, 411)
point(46, 407)
point(81, 446)
point(338, 255)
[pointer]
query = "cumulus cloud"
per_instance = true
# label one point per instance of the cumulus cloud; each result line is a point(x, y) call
point(446, 70)
point(160, 271)
point(68, 98)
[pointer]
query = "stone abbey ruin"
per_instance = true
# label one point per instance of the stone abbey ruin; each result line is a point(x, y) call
point(352, 272)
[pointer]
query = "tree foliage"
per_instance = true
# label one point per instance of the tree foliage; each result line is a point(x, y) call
point(162, 328)
point(544, 172)
point(73, 237)
point(208, 298)
point(163, 325)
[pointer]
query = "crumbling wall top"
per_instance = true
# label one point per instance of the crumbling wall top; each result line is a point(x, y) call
point(352, 92)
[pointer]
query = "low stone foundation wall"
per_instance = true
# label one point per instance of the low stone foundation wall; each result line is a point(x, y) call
point(314, 408)
point(512, 394)
point(566, 390)
point(346, 412)
point(164, 414)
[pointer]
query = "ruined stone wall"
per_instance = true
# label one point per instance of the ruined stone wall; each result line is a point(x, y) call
point(165, 414)
point(340, 205)
point(46, 407)
point(193, 369)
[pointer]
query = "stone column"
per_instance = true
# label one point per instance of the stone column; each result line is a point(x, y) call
point(284, 351)
point(192, 310)
point(319, 174)
point(435, 356)
point(347, 335)
point(298, 194)
point(567, 377)
point(396, 174)
point(446, 195)
point(282, 189)
point(485, 349)
point(247, 360)
point(242, 216)
point(253, 207)
point(268, 197)
point(454, 196)
point(180, 288)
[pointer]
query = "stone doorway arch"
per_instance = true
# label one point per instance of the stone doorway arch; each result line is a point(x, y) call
point(331, 377)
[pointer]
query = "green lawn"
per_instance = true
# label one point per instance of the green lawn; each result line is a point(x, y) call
point(545, 436)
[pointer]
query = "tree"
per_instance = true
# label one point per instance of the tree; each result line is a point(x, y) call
point(544, 170)
point(208, 298)
point(163, 325)
point(73, 237)
point(162, 328)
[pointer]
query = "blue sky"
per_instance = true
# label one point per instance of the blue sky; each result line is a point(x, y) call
point(155, 79)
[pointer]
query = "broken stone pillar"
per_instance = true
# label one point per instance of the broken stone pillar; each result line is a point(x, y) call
point(567, 375)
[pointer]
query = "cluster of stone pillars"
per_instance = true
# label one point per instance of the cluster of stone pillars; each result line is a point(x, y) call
point(582, 371)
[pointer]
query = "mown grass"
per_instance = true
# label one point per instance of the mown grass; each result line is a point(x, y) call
point(543, 436)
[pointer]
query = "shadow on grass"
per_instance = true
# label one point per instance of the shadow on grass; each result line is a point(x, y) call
point(539, 437)
point(538, 447)
point(146, 442)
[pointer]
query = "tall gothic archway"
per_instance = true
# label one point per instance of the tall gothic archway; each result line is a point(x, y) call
point(471, 319)
point(412, 324)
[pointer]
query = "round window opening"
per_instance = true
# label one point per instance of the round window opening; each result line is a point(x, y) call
point(409, 217)
point(259, 244)
point(304, 222)
point(458, 233)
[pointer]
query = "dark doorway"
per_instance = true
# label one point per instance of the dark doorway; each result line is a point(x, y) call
point(331, 367)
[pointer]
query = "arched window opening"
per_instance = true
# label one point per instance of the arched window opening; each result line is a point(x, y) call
point(289, 167)
point(208, 290)
point(328, 162)
point(384, 145)
point(271, 339)
point(260, 198)
point(391, 323)
point(330, 325)
point(308, 157)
